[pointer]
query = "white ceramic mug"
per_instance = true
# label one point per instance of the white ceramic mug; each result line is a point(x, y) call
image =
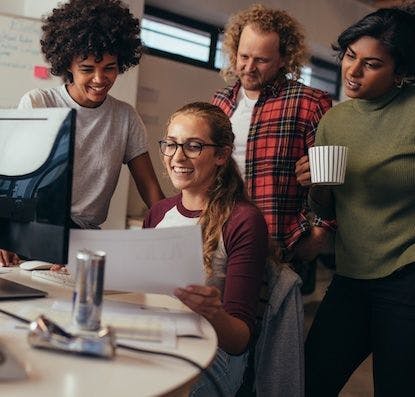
point(327, 164)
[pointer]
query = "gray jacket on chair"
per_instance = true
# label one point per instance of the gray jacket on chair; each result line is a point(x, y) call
point(279, 351)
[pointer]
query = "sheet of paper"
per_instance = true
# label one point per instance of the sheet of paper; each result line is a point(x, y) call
point(145, 260)
point(133, 322)
point(187, 323)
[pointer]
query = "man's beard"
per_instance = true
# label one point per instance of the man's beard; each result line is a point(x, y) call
point(253, 83)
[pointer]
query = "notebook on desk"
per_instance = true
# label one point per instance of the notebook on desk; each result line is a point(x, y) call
point(11, 290)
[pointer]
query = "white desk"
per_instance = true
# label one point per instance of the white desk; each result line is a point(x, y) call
point(53, 374)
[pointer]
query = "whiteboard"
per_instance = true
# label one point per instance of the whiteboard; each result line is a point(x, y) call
point(19, 54)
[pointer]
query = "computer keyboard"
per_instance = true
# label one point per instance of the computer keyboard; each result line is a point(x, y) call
point(61, 278)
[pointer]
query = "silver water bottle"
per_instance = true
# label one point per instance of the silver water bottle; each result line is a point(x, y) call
point(88, 291)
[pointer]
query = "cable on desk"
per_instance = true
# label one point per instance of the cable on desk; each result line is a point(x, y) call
point(138, 350)
point(15, 316)
point(188, 360)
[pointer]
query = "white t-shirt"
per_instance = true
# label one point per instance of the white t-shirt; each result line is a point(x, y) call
point(106, 137)
point(241, 121)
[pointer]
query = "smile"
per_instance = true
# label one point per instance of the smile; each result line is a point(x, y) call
point(98, 90)
point(182, 170)
point(351, 84)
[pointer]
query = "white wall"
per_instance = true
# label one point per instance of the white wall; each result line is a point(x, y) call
point(16, 7)
point(38, 8)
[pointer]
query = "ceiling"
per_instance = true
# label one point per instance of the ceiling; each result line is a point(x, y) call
point(383, 3)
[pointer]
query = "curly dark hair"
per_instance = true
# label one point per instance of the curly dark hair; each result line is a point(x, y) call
point(90, 27)
point(263, 19)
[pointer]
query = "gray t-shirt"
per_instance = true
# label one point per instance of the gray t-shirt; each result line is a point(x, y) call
point(106, 137)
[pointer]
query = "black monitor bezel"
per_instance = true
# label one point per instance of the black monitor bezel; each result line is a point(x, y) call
point(18, 241)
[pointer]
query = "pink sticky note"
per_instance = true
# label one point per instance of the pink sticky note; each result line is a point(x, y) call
point(41, 72)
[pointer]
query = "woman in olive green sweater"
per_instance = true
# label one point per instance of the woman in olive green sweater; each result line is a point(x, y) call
point(370, 304)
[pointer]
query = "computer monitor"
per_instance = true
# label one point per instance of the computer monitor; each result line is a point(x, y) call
point(36, 159)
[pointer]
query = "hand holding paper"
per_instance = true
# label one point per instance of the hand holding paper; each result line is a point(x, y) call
point(146, 260)
point(202, 299)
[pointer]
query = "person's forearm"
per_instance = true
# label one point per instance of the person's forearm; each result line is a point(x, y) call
point(321, 201)
point(319, 241)
point(151, 195)
point(321, 195)
point(145, 179)
point(233, 333)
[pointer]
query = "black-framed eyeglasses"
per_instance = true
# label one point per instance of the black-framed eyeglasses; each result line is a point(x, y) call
point(191, 149)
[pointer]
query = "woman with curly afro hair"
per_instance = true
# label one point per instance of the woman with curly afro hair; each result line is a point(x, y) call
point(89, 43)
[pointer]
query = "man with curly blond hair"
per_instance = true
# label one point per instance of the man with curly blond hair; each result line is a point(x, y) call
point(274, 118)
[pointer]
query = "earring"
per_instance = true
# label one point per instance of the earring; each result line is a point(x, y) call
point(400, 82)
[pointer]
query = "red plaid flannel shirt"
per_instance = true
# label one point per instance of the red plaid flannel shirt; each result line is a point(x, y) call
point(283, 127)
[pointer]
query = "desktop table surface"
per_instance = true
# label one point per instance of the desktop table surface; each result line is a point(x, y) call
point(53, 374)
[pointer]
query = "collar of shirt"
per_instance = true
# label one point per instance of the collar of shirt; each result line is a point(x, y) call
point(271, 89)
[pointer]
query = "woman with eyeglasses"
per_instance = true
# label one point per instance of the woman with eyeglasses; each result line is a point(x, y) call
point(369, 306)
point(197, 152)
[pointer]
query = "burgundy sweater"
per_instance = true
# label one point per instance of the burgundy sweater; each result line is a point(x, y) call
point(241, 257)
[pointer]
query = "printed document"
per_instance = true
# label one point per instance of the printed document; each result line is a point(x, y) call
point(145, 260)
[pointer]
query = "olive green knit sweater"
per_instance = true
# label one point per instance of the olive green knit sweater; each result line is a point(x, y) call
point(375, 208)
